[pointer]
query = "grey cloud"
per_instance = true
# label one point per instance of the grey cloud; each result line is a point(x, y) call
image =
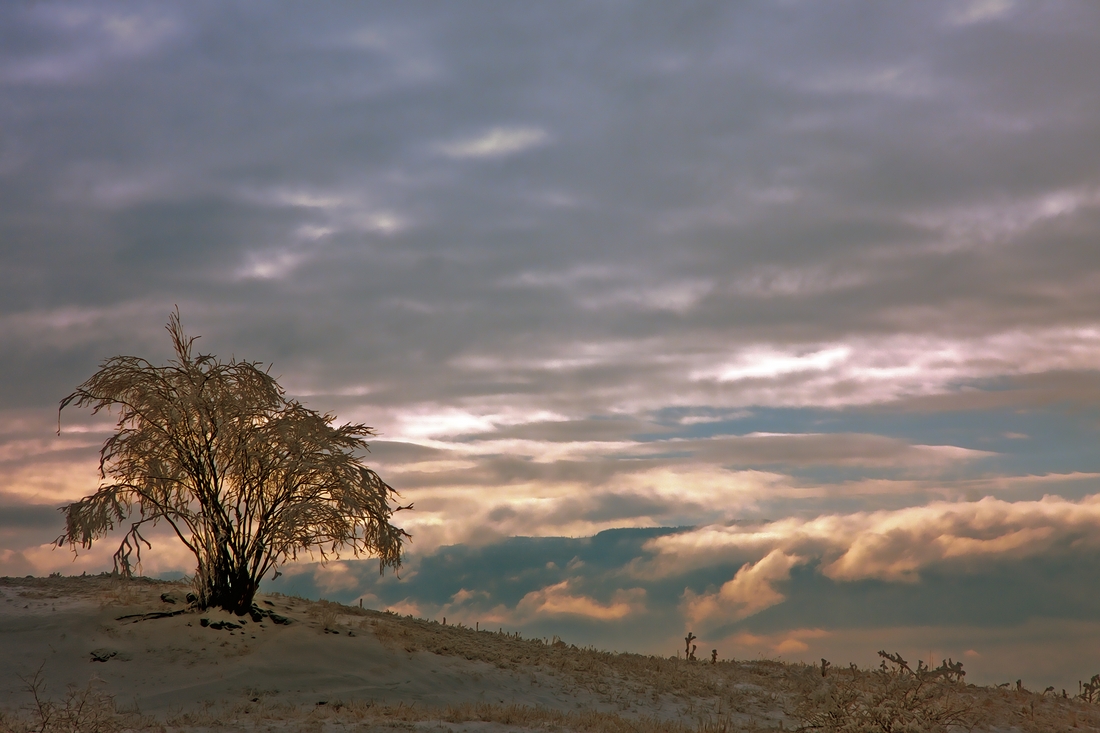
point(1025, 391)
point(29, 517)
point(504, 459)
point(389, 451)
point(628, 506)
point(837, 449)
point(870, 215)
point(182, 240)
point(503, 470)
point(25, 527)
point(568, 431)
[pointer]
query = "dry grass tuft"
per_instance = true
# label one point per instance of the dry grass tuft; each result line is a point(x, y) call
point(327, 613)
point(80, 710)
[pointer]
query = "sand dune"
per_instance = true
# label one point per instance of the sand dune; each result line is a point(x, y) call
point(334, 667)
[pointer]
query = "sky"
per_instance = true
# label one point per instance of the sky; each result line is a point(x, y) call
point(776, 322)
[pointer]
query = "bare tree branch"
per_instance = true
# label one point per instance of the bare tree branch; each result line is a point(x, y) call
point(246, 478)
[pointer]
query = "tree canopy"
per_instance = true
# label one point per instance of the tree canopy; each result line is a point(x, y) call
point(246, 478)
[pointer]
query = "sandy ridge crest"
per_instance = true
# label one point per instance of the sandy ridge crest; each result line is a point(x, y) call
point(336, 668)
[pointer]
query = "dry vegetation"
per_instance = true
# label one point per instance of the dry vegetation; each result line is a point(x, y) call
point(245, 477)
point(722, 696)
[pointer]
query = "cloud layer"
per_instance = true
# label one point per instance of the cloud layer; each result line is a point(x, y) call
point(816, 285)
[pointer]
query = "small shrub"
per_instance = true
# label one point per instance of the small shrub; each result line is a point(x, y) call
point(327, 613)
point(81, 710)
point(891, 699)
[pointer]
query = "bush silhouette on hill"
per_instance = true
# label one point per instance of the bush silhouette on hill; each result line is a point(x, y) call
point(246, 478)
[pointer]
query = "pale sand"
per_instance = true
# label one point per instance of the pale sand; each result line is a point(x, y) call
point(385, 672)
point(168, 663)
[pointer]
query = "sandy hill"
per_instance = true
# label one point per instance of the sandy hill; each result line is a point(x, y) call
point(102, 654)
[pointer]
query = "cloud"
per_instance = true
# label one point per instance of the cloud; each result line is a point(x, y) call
point(15, 564)
point(893, 546)
point(763, 365)
point(794, 641)
point(168, 558)
point(567, 279)
point(559, 599)
point(406, 607)
point(751, 591)
point(836, 449)
point(335, 576)
point(271, 265)
point(496, 142)
point(70, 326)
point(1011, 612)
point(893, 80)
point(999, 223)
point(429, 421)
point(785, 282)
point(478, 501)
point(78, 42)
point(672, 296)
point(981, 11)
point(792, 276)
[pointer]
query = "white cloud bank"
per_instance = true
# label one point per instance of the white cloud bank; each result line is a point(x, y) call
point(750, 591)
point(560, 600)
point(893, 546)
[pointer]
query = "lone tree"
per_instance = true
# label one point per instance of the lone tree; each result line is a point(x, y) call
point(245, 477)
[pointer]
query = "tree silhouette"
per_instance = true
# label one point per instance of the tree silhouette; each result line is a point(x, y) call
point(246, 478)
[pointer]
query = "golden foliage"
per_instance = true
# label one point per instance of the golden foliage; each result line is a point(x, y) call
point(245, 477)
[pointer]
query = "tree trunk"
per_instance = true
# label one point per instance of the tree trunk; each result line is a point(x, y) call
point(222, 585)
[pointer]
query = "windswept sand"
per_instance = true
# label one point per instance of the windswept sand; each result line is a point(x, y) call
point(165, 664)
point(340, 668)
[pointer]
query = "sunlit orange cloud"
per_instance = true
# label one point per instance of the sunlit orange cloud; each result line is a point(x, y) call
point(886, 545)
point(335, 576)
point(750, 591)
point(450, 511)
point(38, 466)
point(167, 556)
point(646, 496)
point(464, 607)
point(560, 600)
point(49, 481)
point(889, 545)
point(896, 544)
point(470, 607)
point(448, 514)
point(407, 608)
point(784, 643)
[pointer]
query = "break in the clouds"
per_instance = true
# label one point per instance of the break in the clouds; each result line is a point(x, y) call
point(804, 296)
